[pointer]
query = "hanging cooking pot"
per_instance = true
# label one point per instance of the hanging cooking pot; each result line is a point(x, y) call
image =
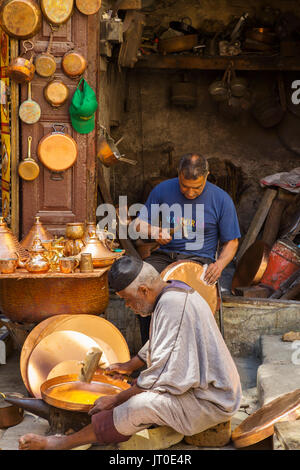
point(109, 154)
point(57, 12)
point(29, 169)
point(73, 64)
point(22, 70)
point(219, 89)
point(56, 93)
point(57, 151)
point(88, 7)
point(20, 19)
point(178, 43)
point(183, 26)
point(238, 85)
point(45, 64)
point(29, 111)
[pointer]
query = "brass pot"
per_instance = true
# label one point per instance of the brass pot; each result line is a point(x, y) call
point(8, 265)
point(75, 230)
point(10, 415)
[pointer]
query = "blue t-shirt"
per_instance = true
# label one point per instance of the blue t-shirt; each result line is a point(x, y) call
point(198, 223)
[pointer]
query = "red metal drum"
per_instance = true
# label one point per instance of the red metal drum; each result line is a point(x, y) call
point(284, 260)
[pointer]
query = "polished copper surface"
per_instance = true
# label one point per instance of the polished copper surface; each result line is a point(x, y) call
point(9, 245)
point(20, 19)
point(107, 337)
point(57, 13)
point(190, 272)
point(58, 346)
point(36, 230)
point(41, 330)
point(252, 265)
point(260, 424)
point(68, 393)
point(37, 263)
point(35, 297)
point(75, 230)
point(88, 7)
point(101, 255)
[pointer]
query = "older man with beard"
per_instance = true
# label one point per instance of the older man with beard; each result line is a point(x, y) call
point(191, 382)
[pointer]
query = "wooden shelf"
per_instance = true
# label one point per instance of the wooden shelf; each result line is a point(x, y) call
point(194, 62)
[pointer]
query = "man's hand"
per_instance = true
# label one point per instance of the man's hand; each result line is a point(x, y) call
point(213, 272)
point(103, 403)
point(121, 367)
point(163, 236)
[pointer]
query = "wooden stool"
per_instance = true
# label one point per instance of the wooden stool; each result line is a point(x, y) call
point(216, 436)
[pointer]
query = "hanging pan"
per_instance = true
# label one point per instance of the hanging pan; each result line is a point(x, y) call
point(22, 70)
point(88, 7)
point(73, 64)
point(57, 151)
point(29, 169)
point(109, 154)
point(56, 93)
point(20, 19)
point(29, 111)
point(45, 64)
point(57, 12)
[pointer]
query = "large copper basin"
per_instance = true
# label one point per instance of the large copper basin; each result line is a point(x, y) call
point(32, 298)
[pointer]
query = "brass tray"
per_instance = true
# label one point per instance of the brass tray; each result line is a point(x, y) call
point(68, 393)
point(190, 273)
point(260, 424)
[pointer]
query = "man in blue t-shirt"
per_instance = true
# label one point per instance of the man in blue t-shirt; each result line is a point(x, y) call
point(189, 217)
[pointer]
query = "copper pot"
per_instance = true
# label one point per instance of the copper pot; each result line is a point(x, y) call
point(20, 19)
point(21, 70)
point(101, 255)
point(8, 265)
point(36, 230)
point(56, 93)
point(10, 415)
point(73, 64)
point(75, 230)
point(178, 44)
point(9, 246)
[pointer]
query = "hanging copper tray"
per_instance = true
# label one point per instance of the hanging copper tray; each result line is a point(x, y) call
point(260, 424)
point(57, 151)
point(68, 393)
point(190, 272)
point(57, 12)
point(251, 266)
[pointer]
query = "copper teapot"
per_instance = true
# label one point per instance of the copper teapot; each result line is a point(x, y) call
point(37, 263)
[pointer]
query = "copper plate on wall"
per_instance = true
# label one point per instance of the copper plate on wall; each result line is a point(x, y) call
point(260, 424)
point(57, 151)
point(190, 272)
point(252, 265)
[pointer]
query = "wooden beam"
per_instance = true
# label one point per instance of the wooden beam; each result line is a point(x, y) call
point(257, 221)
point(15, 203)
point(188, 61)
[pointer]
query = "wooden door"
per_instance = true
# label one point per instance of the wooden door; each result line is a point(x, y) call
point(73, 199)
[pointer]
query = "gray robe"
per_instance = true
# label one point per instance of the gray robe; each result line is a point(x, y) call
point(191, 382)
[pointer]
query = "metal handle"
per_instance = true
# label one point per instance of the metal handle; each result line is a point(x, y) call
point(29, 91)
point(29, 146)
point(61, 125)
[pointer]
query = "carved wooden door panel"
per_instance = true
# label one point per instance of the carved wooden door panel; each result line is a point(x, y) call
point(71, 199)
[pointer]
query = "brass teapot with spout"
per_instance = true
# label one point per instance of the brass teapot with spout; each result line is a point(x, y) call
point(37, 263)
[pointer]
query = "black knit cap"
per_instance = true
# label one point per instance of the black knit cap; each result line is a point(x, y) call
point(123, 272)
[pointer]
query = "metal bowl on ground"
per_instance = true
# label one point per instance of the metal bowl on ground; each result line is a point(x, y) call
point(68, 393)
point(44, 337)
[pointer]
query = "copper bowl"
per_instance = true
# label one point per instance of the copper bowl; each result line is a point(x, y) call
point(75, 230)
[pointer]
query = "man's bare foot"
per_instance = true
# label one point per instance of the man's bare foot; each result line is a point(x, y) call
point(35, 442)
